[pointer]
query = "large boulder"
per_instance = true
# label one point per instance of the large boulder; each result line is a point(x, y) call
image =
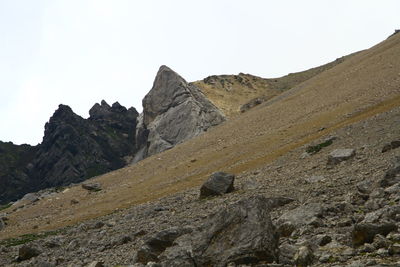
point(217, 184)
point(242, 233)
point(173, 111)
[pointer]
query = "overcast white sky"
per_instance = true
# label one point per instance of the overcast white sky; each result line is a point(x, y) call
point(78, 52)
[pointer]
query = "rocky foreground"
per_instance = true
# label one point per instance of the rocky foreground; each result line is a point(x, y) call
point(333, 202)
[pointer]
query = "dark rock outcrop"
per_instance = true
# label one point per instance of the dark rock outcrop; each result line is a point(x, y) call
point(26, 252)
point(217, 184)
point(14, 169)
point(242, 233)
point(173, 112)
point(73, 150)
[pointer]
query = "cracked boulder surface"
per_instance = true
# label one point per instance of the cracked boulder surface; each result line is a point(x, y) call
point(173, 112)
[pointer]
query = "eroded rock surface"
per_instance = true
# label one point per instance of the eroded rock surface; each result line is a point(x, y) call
point(173, 112)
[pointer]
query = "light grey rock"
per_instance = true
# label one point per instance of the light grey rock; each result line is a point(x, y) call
point(217, 184)
point(173, 112)
point(315, 179)
point(339, 155)
point(302, 215)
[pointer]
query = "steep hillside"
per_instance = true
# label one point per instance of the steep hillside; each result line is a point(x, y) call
point(357, 101)
point(231, 93)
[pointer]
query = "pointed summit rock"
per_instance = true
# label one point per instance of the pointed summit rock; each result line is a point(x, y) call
point(173, 112)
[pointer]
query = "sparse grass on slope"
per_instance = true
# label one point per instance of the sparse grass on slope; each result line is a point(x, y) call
point(364, 85)
point(230, 92)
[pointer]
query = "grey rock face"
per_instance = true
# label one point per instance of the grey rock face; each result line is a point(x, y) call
point(173, 112)
point(339, 155)
point(243, 233)
point(217, 184)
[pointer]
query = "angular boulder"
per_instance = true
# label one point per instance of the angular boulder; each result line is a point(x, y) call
point(156, 244)
point(365, 232)
point(217, 184)
point(392, 176)
point(242, 233)
point(339, 155)
point(26, 252)
point(173, 111)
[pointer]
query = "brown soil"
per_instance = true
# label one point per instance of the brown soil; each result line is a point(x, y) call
point(364, 85)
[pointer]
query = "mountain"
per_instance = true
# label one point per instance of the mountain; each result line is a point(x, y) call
point(316, 183)
point(73, 150)
point(233, 94)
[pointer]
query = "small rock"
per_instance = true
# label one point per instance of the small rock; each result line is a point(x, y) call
point(394, 249)
point(217, 184)
point(322, 240)
point(380, 242)
point(365, 232)
point(365, 187)
point(98, 225)
point(315, 179)
point(367, 248)
point(303, 257)
point(2, 224)
point(96, 264)
point(392, 176)
point(395, 237)
point(382, 252)
point(339, 155)
point(392, 145)
point(94, 187)
point(26, 252)
point(74, 201)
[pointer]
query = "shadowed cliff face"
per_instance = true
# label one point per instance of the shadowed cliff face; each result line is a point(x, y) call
point(73, 149)
point(173, 112)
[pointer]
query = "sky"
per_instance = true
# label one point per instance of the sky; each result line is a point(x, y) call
point(79, 52)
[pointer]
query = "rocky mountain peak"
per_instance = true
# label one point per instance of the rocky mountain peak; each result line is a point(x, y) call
point(104, 111)
point(169, 89)
point(173, 111)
